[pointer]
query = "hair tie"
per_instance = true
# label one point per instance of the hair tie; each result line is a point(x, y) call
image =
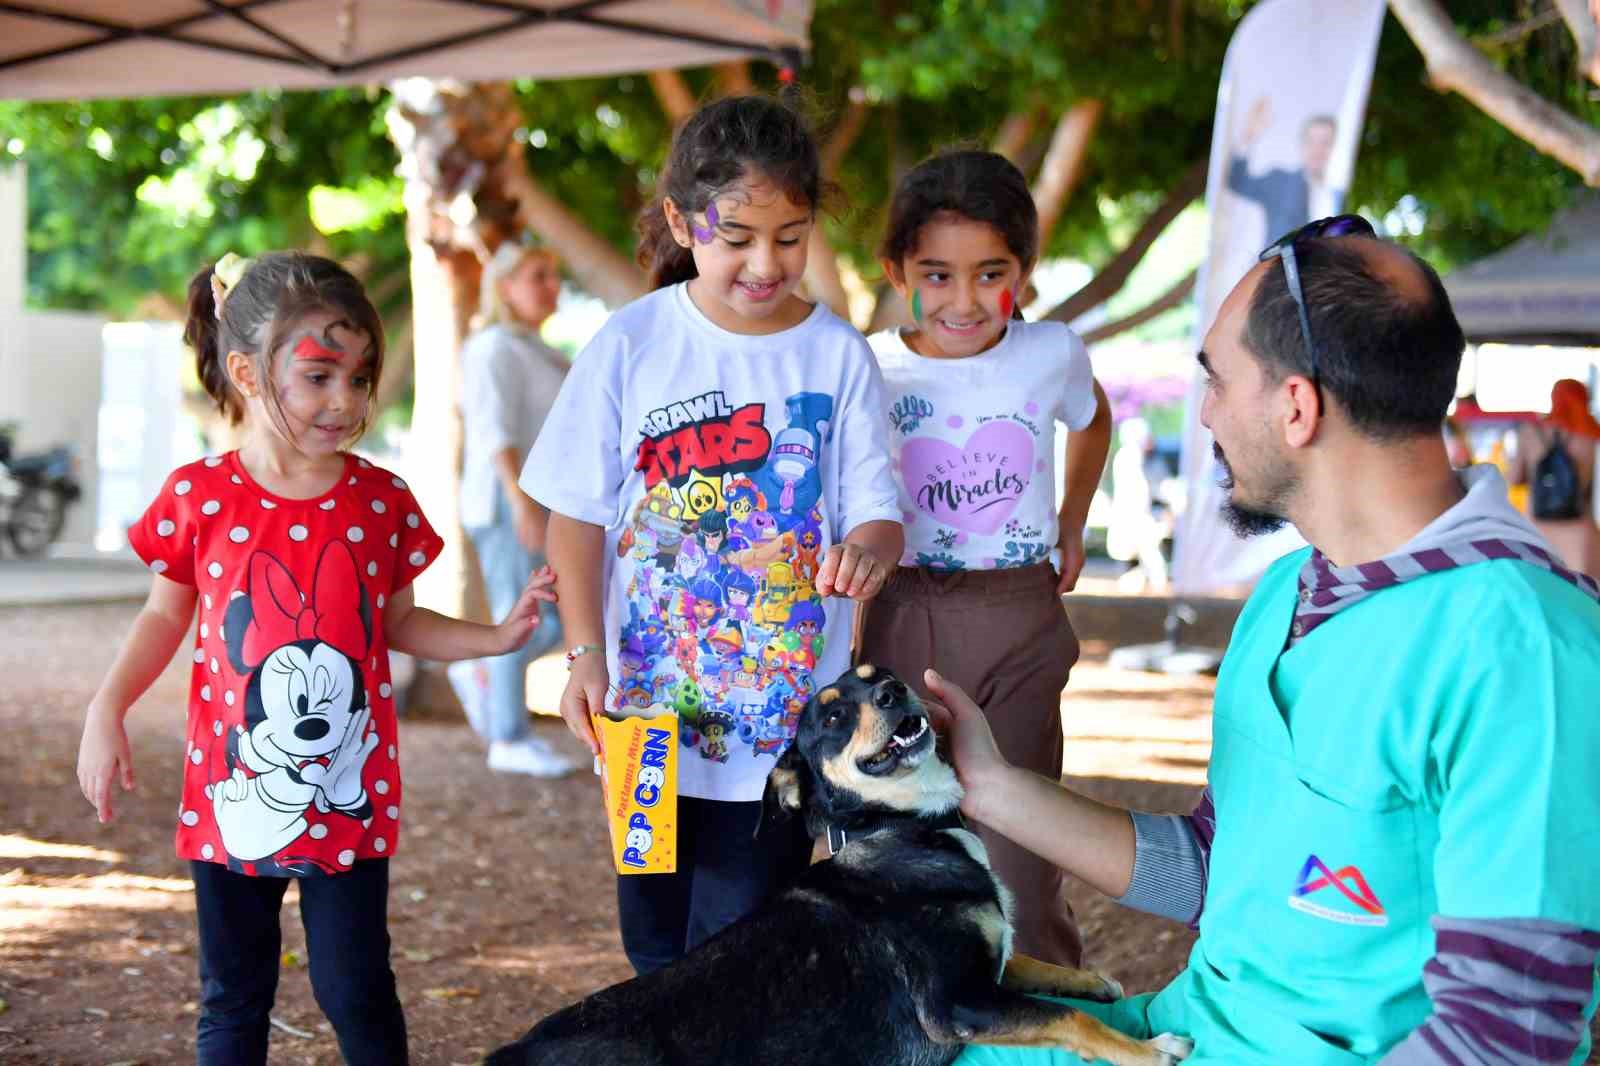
point(224, 276)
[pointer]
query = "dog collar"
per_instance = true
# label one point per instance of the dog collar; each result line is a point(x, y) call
point(838, 837)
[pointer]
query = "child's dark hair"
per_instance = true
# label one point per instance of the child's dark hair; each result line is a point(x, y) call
point(274, 293)
point(982, 186)
point(719, 144)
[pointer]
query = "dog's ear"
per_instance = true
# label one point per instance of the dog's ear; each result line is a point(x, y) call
point(788, 787)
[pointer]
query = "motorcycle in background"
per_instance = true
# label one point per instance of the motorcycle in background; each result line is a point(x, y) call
point(35, 491)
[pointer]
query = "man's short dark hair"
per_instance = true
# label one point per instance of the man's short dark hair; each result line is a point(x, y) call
point(1389, 355)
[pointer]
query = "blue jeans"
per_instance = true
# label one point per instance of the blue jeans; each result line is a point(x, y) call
point(347, 939)
point(506, 565)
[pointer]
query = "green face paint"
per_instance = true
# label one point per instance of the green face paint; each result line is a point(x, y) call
point(916, 305)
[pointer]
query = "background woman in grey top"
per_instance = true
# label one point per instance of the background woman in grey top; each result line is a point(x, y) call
point(510, 378)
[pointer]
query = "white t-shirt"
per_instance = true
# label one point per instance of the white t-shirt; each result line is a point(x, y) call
point(722, 466)
point(973, 442)
point(509, 380)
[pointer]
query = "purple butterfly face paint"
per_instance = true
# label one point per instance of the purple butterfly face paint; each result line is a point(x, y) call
point(707, 233)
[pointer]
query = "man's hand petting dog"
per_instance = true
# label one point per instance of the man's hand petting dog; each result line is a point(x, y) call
point(965, 739)
point(895, 951)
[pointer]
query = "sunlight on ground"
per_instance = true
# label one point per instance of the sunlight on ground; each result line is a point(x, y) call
point(17, 847)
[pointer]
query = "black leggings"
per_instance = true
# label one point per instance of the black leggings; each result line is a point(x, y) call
point(347, 939)
point(724, 872)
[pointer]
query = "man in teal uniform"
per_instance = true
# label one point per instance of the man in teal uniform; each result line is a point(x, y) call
point(1397, 858)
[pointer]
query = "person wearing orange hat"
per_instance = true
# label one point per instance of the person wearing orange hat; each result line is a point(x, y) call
point(1556, 458)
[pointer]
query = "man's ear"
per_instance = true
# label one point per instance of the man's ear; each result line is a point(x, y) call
point(1304, 410)
point(677, 222)
point(788, 788)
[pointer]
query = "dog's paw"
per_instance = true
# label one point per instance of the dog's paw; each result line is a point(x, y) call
point(1171, 1049)
point(1109, 990)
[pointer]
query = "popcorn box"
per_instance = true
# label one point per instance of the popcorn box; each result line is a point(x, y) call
point(639, 779)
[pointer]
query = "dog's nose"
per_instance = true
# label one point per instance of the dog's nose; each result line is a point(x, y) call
point(311, 728)
point(890, 693)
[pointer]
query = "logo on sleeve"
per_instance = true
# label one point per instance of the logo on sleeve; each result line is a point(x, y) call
point(1342, 895)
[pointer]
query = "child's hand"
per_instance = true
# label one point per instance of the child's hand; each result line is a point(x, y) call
point(584, 695)
point(103, 757)
point(523, 619)
point(1072, 557)
point(850, 570)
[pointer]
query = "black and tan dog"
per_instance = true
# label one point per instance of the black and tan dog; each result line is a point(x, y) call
point(895, 952)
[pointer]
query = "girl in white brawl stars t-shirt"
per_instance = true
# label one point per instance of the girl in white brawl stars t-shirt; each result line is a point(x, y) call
point(298, 558)
point(972, 397)
point(717, 473)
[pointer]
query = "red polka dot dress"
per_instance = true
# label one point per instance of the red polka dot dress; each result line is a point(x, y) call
point(293, 760)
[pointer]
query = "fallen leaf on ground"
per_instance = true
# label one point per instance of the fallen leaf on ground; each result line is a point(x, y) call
point(452, 992)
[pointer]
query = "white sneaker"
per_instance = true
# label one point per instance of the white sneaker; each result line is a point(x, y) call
point(531, 756)
point(469, 678)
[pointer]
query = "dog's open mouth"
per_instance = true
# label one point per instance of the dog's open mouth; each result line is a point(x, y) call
point(906, 746)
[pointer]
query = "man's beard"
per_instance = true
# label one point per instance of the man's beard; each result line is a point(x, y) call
point(1245, 521)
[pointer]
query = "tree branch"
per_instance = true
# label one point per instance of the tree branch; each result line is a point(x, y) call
point(1161, 304)
point(1063, 163)
point(597, 266)
point(1455, 66)
point(673, 93)
point(1580, 17)
point(1522, 30)
point(844, 133)
point(1016, 131)
point(822, 261)
point(732, 79)
point(1114, 275)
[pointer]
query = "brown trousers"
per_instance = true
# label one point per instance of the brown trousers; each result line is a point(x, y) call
point(1003, 636)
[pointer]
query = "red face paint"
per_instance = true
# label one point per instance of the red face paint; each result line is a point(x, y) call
point(311, 348)
point(1005, 303)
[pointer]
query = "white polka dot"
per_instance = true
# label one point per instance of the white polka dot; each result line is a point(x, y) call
point(365, 822)
point(181, 488)
point(213, 664)
point(268, 505)
point(216, 728)
point(385, 689)
point(355, 534)
point(318, 831)
point(352, 480)
point(210, 790)
point(190, 818)
point(326, 505)
point(393, 753)
point(197, 756)
point(298, 532)
point(213, 461)
point(222, 634)
point(416, 558)
point(380, 844)
point(215, 569)
point(227, 697)
point(364, 464)
point(235, 594)
point(165, 527)
point(239, 729)
point(372, 569)
point(238, 534)
point(377, 506)
point(374, 662)
point(199, 655)
point(413, 521)
point(159, 566)
point(207, 851)
point(381, 787)
point(394, 540)
point(398, 483)
point(392, 811)
point(210, 507)
point(235, 479)
point(188, 748)
point(205, 630)
point(205, 693)
point(207, 598)
point(346, 857)
point(380, 601)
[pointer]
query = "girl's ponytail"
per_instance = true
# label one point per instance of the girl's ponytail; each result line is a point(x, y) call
point(202, 332)
point(665, 260)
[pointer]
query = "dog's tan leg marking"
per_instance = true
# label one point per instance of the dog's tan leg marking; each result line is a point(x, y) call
point(1025, 974)
point(1087, 1037)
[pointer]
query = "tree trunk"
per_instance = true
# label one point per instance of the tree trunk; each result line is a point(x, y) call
point(1015, 133)
point(1455, 66)
point(1114, 275)
point(733, 79)
point(823, 281)
point(1063, 163)
point(673, 94)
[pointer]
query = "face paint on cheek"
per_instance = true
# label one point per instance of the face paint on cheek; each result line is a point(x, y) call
point(311, 348)
point(916, 305)
point(707, 233)
point(1006, 303)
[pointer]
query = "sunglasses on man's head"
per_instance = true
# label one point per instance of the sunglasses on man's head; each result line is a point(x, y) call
point(1283, 248)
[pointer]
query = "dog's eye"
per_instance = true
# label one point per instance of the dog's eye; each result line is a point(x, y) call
point(831, 721)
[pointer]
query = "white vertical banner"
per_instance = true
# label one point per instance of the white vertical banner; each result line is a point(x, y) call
point(1289, 112)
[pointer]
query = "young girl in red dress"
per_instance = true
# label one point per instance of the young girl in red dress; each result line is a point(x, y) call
point(300, 558)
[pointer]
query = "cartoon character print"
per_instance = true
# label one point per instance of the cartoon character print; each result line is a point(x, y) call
point(725, 622)
point(306, 735)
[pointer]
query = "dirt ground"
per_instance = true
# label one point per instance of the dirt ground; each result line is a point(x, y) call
point(502, 905)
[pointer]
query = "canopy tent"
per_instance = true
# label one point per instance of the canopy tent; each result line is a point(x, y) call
point(1544, 289)
point(79, 49)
